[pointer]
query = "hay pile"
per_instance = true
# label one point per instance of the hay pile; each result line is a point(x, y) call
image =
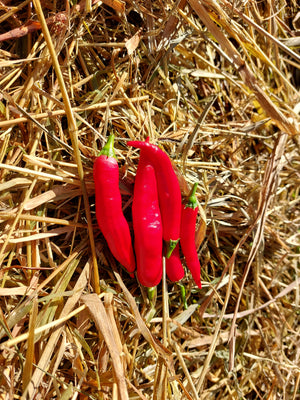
point(216, 85)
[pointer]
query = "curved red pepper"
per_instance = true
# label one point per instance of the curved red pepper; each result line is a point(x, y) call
point(168, 191)
point(147, 225)
point(110, 217)
point(174, 268)
point(187, 236)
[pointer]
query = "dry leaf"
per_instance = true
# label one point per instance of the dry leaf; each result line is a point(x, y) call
point(43, 235)
point(30, 27)
point(102, 322)
point(57, 193)
point(132, 43)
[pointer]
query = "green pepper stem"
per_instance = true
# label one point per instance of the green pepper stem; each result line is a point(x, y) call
point(183, 295)
point(152, 294)
point(108, 149)
point(192, 200)
point(170, 246)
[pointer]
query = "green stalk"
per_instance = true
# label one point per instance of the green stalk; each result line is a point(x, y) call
point(108, 149)
point(192, 200)
point(183, 295)
point(170, 246)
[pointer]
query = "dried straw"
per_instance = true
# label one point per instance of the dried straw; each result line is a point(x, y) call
point(216, 85)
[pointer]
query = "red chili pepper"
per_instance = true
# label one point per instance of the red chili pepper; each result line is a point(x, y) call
point(187, 236)
point(147, 225)
point(110, 217)
point(169, 194)
point(174, 268)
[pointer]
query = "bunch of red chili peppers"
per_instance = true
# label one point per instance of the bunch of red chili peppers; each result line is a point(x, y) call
point(160, 220)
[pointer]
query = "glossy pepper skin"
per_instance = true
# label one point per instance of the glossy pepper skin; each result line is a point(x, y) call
point(147, 225)
point(110, 217)
point(168, 191)
point(174, 268)
point(187, 236)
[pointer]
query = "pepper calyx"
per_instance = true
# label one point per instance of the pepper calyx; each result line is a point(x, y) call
point(171, 244)
point(192, 199)
point(108, 149)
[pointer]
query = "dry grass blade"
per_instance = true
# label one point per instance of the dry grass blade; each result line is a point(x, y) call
point(50, 347)
point(30, 347)
point(45, 328)
point(265, 33)
point(12, 228)
point(215, 338)
point(186, 371)
point(140, 322)
point(104, 326)
point(45, 115)
point(73, 134)
point(193, 135)
point(244, 70)
point(269, 186)
point(160, 382)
